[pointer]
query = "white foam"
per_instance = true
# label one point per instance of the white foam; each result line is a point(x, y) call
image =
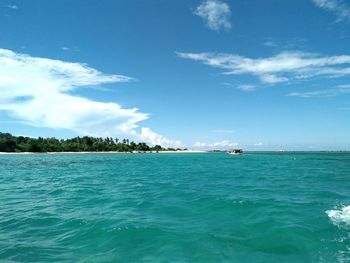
point(340, 216)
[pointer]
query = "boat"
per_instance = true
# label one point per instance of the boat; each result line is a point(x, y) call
point(235, 151)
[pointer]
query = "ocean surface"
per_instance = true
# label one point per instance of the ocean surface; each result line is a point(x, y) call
point(256, 207)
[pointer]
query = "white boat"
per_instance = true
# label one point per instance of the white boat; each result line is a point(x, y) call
point(235, 151)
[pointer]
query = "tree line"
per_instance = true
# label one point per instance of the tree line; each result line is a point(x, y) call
point(10, 143)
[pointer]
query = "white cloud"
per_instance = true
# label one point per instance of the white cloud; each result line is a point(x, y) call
point(12, 6)
point(215, 13)
point(270, 43)
point(38, 92)
point(216, 145)
point(339, 90)
point(283, 67)
point(224, 144)
point(247, 88)
point(154, 138)
point(272, 79)
point(288, 43)
point(65, 48)
point(338, 7)
point(199, 144)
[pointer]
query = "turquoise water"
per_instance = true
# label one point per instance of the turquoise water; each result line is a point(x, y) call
point(257, 207)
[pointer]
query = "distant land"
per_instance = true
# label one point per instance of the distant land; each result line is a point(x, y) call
point(13, 144)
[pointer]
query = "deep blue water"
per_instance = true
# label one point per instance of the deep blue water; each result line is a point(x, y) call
point(256, 207)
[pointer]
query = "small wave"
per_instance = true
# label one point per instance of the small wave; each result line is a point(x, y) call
point(340, 216)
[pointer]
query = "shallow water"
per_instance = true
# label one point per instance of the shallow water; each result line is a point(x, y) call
point(257, 207)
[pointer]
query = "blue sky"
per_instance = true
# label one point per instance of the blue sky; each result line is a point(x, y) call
point(261, 75)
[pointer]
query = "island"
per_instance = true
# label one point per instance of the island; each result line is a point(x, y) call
point(20, 144)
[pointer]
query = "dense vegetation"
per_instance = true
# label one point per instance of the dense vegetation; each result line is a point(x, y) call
point(9, 143)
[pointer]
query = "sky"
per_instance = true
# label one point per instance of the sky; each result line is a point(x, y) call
point(201, 74)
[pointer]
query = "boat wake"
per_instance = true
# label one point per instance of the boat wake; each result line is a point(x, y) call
point(340, 216)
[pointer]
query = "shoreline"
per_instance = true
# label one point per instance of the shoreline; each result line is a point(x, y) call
point(102, 152)
point(163, 152)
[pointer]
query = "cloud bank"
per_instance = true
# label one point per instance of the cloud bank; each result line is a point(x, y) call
point(38, 92)
point(283, 67)
point(215, 13)
point(216, 145)
point(149, 135)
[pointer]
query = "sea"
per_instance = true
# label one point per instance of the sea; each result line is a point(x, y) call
point(195, 207)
